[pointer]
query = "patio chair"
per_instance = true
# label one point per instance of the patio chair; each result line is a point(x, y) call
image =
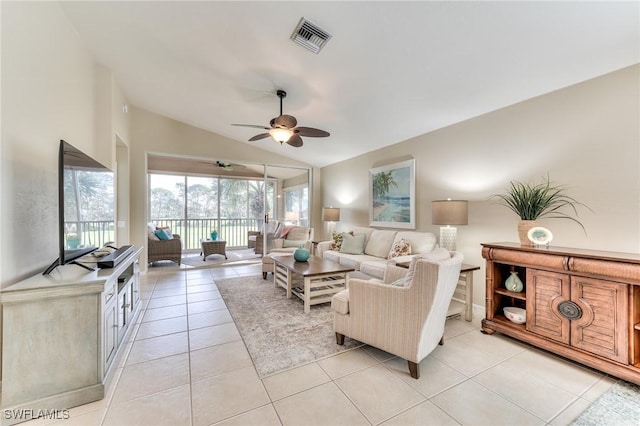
point(157, 250)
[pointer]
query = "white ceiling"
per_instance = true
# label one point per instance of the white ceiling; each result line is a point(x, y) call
point(392, 70)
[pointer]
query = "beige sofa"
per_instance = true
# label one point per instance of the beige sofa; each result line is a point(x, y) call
point(377, 244)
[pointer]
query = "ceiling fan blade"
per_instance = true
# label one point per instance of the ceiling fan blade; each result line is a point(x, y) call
point(288, 121)
point(311, 132)
point(254, 126)
point(295, 140)
point(260, 136)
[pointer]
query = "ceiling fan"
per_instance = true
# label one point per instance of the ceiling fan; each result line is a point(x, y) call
point(223, 165)
point(228, 166)
point(284, 128)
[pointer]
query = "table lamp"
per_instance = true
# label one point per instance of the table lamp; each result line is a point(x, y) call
point(291, 217)
point(331, 215)
point(450, 213)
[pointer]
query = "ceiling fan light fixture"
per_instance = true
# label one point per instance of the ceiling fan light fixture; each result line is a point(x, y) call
point(281, 135)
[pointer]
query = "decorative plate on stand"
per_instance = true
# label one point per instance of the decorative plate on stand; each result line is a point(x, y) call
point(540, 236)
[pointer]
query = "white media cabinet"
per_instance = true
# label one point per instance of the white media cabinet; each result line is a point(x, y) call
point(61, 333)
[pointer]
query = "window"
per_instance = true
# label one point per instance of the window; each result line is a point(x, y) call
point(193, 206)
point(296, 202)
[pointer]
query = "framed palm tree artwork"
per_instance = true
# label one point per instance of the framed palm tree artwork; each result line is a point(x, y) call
point(393, 195)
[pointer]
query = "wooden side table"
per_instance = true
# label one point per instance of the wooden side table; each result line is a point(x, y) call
point(314, 247)
point(464, 291)
point(213, 247)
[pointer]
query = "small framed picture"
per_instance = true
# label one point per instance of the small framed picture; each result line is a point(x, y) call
point(540, 236)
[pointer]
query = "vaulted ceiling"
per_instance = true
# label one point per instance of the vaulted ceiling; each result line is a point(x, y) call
point(391, 71)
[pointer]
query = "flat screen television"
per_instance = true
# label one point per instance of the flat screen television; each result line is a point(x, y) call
point(86, 205)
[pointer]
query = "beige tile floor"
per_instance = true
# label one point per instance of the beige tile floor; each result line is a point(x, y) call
point(185, 364)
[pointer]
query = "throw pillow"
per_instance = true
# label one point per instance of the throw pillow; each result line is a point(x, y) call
point(167, 231)
point(400, 248)
point(151, 229)
point(160, 233)
point(284, 232)
point(352, 244)
point(336, 242)
point(298, 233)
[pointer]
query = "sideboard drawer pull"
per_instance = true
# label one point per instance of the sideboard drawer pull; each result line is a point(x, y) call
point(570, 310)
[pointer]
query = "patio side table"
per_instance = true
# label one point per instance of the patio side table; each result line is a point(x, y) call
point(213, 247)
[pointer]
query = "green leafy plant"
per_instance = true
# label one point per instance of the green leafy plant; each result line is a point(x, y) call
point(534, 201)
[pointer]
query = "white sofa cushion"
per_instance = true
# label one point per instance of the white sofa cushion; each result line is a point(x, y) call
point(420, 241)
point(354, 260)
point(379, 243)
point(374, 268)
point(361, 230)
point(331, 255)
point(293, 243)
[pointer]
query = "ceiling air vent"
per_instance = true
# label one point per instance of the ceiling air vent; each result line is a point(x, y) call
point(310, 36)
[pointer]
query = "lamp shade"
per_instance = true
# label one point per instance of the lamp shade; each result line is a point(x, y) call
point(291, 216)
point(449, 212)
point(330, 214)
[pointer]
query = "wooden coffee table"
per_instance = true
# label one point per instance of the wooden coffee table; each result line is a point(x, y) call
point(213, 247)
point(314, 281)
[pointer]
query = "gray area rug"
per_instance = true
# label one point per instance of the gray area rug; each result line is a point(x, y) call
point(276, 331)
point(619, 406)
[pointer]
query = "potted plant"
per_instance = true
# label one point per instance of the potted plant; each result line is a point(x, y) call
point(533, 201)
point(73, 240)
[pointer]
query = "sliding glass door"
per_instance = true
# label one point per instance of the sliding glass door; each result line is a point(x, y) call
point(236, 201)
point(290, 203)
point(195, 206)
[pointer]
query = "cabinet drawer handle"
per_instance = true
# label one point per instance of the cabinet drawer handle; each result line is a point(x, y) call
point(570, 310)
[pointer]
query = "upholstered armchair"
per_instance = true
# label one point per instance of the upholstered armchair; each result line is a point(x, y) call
point(292, 237)
point(164, 249)
point(256, 238)
point(404, 314)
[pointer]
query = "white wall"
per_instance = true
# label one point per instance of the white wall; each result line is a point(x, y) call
point(49, 84)
point(586, 136)
point(153, 133)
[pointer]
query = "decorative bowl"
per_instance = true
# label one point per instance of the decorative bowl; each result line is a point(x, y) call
point(517, 315)
point(301, 255)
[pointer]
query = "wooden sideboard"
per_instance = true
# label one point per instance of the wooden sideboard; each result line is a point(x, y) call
point(61, 333)
point(580, 304)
